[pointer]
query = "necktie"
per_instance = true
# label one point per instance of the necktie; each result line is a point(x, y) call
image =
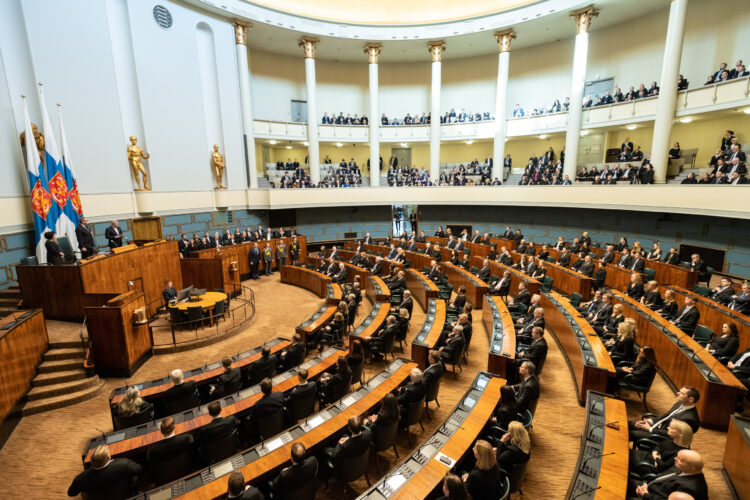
point(658, 424)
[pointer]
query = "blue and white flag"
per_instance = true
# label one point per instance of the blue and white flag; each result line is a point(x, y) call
point(70, 174)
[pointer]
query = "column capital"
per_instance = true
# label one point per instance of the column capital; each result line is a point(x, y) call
point(373, 52)
point(503, 39)
point(583, 17)
point(308, 45)
point(436, 49)
point(240, 33)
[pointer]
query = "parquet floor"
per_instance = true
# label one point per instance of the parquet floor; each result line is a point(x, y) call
point(44, 452)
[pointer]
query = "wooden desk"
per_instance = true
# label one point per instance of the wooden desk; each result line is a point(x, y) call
point(684, 362)
point(333, 294)
point(351, 270)
point(347, 254)
point(501, 334)
point(261, 463)
point(737, 456)
point(373, 322)
point(668, 274)
point(422, 472)
point(421, 287)
point(427, 337)
point(475, 288)
point(588, 360)
point(317, 321)
point(152, 389)
point(516, 276)
point(306, 278)
point(618, 278)
point(376, 290)
point(603, 459)
point(242, 252)
point(206, 301)
point(564, 279)
point(136, 440)
point(713, 314)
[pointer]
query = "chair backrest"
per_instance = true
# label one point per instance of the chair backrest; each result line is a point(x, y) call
point(306, 492)
point(186, 402)
point(338, 391)
point(575, 299)
point(702, 334)
point(414, 412)
point(175, 315)
point(384, 437)
point(432, 390)
point(271, 425)
point(532, 406)
point(474, 269)
point(516, 476)
point(195, 313)
point(709, 273)
point(168, 470)
point(303, 407)
point(214, 451)
point(540, 365)
point(124, 488)
point(354, 467)
point(219, 308)
point(526, 418)
point(650, 273)
point(702, 290)
point(66, 248)
point(31, 260)
point(521, 307)
point(357, 372)
point(403, 329)
point(133, 420)
point(547, 284)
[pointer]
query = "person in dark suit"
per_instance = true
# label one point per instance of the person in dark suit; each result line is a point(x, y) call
point(350, 446)
point(624, 259)
point(522, 296)
point(85, 240)
point(454, 343)
point(236, 488)
point(564, 259)
point(300, 474)
point(114, 235)
point(55, 256)
point(537, 350)
point(647, 172)
point(269, 404)
point(687, 478)
point(696, 264)
point(528, 390)
point(484, 273)
point(687, 318)
point(727, 343)
point(684, 409)
point(740, 302)
point(635, 288)
point(303, 389)
point(406, 303)
point(219, 428)
point(333, 386)
point(254, 258)
point(483, 480)
point(412, 392)
point(104, 473)
point(171, 445)
point(672, 257)
point(180, 388)
point(228, 382)
point(434, 370)
point(637, 263)
point(722, 293)
point(265, 366)
point(169, 293)
point(294, 354)
point(502, 286)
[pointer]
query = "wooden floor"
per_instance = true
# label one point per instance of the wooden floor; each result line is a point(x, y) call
point(44, 453)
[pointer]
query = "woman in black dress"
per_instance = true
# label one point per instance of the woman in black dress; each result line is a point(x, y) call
point(514, 448)
point(334, 386)
point(439, 233)
point(621, 348)
point(483, 480)
point(54, 254)
point(726, 344)
point(507, 409)
point(642, 370)
point(662, 457)
point(453, 488)
point(635, 288)
point(610, 326)
point(386, 416)
point(669, 308)
point(651, 297)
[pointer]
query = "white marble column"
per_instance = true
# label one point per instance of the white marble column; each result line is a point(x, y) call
point(582, 19)
point(501, 102)
point(665, 106)
point(248, 130)
point(313, 151)
point(436, 49)
point(373, 52)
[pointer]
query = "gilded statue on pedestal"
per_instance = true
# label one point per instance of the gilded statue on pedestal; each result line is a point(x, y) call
point(135, 154)
point(38, 138)
point(218, 160)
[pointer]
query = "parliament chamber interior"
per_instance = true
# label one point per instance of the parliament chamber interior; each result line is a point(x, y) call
point(242, 259)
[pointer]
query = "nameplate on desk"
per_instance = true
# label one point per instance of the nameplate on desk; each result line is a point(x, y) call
point(272, 445)
point(445, 460)
point(314, 422)
point(222, 469)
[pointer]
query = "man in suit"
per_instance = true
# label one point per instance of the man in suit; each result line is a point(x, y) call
point(684, 409)
point(524, 331)
point(169, 293)
point(587, 268)
point(609, 256)
point(484, 273)
point(85, 240)
point(334, 253)
point(735, 178)
point(505, 258)
point(536, 352)
point(740, 366)
point(723, 293)
point(476, 237)
point(236, 488)
point(265, 366)
point(228, 382)
point(303, 389)
point(564, 259)
point(407, 303)
point(171, 446)
point(453, 344)
point(741, 301)
point(636, 262)
point(459, 245)
point(340, 276)
point(647, 172)
point(114, 235)
point(687, 318)
point(602, 313)
point(434, 370)
point(507, 234)
point(672, 257)
point(351, 446)
point(105, 472)
point(527, 391)
point(183, 245)
point(254, 258)
point(180, 389)
point(529, 315)
point(502, 286)
point(522, 246)
point(269, 404)
point(300, 474)
point(294, 354)
point(625, 258)
point(412, 392)
point(522, 297)
point(686, 478)
point(696, 264)
point(451, 244)
point(267, 260)
point(219, 428)
point(367, 239)
point(589, 307)
point(377, 268)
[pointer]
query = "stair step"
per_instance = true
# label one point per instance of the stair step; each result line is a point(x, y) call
point(59, 365)
point(9, 301)
point(53, 403)
point(64, 353)
point(10, 292)
point(66, 345)
point(44, 379)
point(59, 389)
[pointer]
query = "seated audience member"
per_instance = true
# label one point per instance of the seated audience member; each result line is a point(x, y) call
point(507, 409)
point(642, 370)
point(180, 390)
point(377, 342)
point(536, 352)
point(690, 179)
point(669, 308)
point(610, 326)
point(697, 264)
point(412, 392)
point(219, 428)
point(527, 391)
point(662, 457)
point(169, 293)
point(687, 318)
point(334, 386)
point(459, 302)
point(621, 347)
point(354, 444)
point(599, 316)
point(684, 409)
point(453, 488)
point(740, 367)
point(688, 478)
point(236, 488)
point(514, 448)
point(740, 302)
point(302, 390)
point(454, 344)
point(655, 253)
point(600, 275)
point(387, 414)
point(294, 354)
point(171, 445)
point(723, 293)
point(229, 381)
point(484, 478)
point(651, 297)
point(269, 404)
point(266, 365)
point(132, 405)
point(726, 344)
point(302, 472)
point(115, 477)
point(502, 286)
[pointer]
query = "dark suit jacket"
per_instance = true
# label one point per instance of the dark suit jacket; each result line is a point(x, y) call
point(407, 304)
point(432, 373)
point(527, 392)
point(218, 429)
point(96, 480)
point(353, 447)
point(300, 392)
point(296, 476)
point(725, 346)
point(411, 393)
point(723, 296)
point(689, 416)
point(484, 273)
point(564, 260)
point(85, 240)
point(637, 265)
point(536, 351)
point(524, 297)
point(179, 391)
point(167, 449)
point(227, 380)
point(268, 405)
point(169, 294)
point(110, 233)
point(689, 319)
point(694, 484)
point(53, 252)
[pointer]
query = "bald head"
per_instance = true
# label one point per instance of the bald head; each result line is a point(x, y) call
point(680, 495)
point(689, 462)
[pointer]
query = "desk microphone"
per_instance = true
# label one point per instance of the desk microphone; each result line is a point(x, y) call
point(586, 492)
point(601, 425)
point(703, 348)
point(104, 434)
point(598, 455)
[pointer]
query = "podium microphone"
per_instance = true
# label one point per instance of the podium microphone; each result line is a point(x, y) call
point(586, 492)
point(601, 425)
point(599, 455)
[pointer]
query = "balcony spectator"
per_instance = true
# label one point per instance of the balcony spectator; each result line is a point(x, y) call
point(682, 83)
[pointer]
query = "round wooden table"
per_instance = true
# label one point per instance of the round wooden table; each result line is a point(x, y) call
point(207, 301)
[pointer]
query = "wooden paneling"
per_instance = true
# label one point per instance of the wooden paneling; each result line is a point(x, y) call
point(588, 376)
point(667, 274)
point(475, 288)
point(147, 228)
point(429, 335)
point(500, 360)
point(118, 345)
point(421, 287)
point(55, 289)
point(242, 251)
point(202, 273)
point(618, 278)
point(516, 276)
point(21, 349)
point(566, 280)
point(737, 455)
point(681, 365)
point(306, 278)
point(376, 290)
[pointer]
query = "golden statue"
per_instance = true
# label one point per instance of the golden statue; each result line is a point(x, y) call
point(219, 166)
point(38, 138)
point(134, 158)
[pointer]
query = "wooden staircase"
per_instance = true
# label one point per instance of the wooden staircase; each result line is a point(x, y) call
point(61, 380)
point(9, 300)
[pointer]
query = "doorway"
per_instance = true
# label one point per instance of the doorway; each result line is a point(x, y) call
point(403, 155)
point(591, 149)
point(598, 88)
point(299, 111)
point(405, 220)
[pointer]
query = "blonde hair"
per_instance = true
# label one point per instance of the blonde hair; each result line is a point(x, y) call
point(486, 459)
point(131, 403)
point(617, 309)
point(626, 331)
point(100, 457)
point(338, 317)
point(519, 437)
point(686, 432)
point(403, 313)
